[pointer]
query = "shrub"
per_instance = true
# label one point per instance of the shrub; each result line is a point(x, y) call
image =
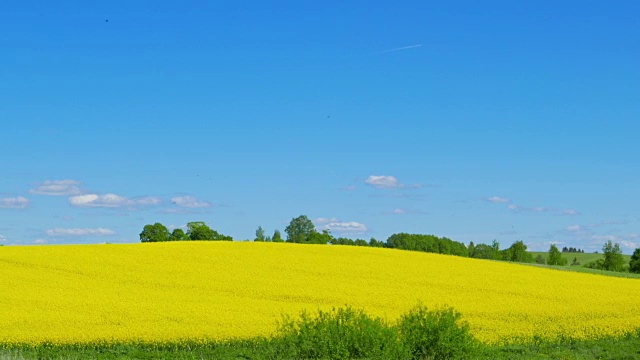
point(634, 263)
point(342, 333)
point(436, 334)
point(540, 260)
point(596, 264)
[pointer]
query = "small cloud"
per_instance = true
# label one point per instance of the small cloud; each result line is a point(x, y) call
point(40, 241)
point(19, 202)
point(513, 207)
point(350, 188)
point(57, 188)
point(3, 238)
point(574, 228)
point(80, 232)
point(628, 244)
point(111, 201)
point(600, 238)
point(498, 199)
point(146, 200)
point(189, 202)
point(323, 221)
point(570, 212)
point(398, 211)
point(382, 181)
point(350, 227)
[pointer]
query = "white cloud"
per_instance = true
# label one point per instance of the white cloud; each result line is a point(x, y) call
point(3, 238)
point(146, 200)
point(600, 238)
point(570, 212)
point(111, 201)
point(189, 202)
point(57, 188)
point(350, 227)
point(350, 188)
point(80, 232)
point(39, 241)
point(498, 199)
point(19, 202)
point(574, 228)
point(382, 181)
point(398, 211)
point(517, 208)
point(628, 244)
point(323, 221)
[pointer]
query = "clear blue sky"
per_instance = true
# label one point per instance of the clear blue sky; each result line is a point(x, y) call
point(501, 120)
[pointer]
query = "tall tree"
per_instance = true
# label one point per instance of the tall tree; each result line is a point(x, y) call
point(613, 259)
point(198, 230)
point(634, 263)
point(154, 233)
point(555, 256)
point(319, 238)
point(259, 234)
point(517, 252)
point(300, 229)
point(276, 236)
point(178, 235)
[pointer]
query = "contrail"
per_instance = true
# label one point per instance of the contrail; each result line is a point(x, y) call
point(401, 48)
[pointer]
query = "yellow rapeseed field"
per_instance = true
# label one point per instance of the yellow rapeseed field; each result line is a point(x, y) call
point(218, 290)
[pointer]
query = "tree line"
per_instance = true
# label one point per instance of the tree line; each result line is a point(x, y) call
point(196, 230)
point(302, 230)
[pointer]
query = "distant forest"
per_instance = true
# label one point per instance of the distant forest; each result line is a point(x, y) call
point(302, 230)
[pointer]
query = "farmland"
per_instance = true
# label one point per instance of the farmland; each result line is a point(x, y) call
point(206, 291)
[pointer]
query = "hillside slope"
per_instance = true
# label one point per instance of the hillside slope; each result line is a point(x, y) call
point(205, 290)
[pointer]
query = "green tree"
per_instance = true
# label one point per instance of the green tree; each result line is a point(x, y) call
point(517, 252)
point(315, 237)
point(495, 245)
point(613, 259)
point(198, 230)
point(555, 256)
point(154, 233)
point(178, 235)
point(300, 229)
point(375, 243)
point(634, 264)
point(276, 236)
point(259, 234)
point(471, 249)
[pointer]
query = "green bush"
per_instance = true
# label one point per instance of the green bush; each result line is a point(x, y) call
point(436, 334)
point(342, 333)
point(596, 264)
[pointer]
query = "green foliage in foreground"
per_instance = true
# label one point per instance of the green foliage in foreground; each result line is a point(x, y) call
point(346, 333)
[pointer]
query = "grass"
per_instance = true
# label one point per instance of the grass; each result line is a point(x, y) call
point(627, 348)
point(583, 259)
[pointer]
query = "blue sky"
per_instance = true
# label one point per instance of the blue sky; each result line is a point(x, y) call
point(501, 120)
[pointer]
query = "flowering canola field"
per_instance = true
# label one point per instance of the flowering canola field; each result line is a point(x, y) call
point(163, 292)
